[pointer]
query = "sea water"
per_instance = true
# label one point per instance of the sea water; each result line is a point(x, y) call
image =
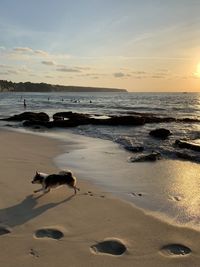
point(178, 105)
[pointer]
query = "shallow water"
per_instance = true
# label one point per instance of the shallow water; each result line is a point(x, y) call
point(168, 188)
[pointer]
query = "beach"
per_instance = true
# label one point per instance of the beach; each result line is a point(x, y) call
point(77, 224)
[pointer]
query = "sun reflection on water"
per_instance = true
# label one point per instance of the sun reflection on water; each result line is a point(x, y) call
point(184, 186)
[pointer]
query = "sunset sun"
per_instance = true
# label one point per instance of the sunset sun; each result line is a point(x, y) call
point(197, 72)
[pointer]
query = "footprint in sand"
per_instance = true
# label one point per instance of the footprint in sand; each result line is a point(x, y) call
point(89, 193)
point(49, 233)
point(34, 253)
point(136, 194)
point(175, 198)
point(4, 230)
point(111, 247)
point(175, 250)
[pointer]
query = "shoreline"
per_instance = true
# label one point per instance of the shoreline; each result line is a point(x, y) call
point(102, 164)
point(84, 220)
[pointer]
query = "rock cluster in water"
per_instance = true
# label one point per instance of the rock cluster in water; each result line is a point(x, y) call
point(72, 119)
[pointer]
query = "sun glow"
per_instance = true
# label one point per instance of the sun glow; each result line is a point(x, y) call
point(197, 73)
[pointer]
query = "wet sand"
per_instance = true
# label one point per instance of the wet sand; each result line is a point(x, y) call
point(92, 228)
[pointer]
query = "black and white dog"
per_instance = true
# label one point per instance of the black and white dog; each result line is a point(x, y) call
point(49, 181)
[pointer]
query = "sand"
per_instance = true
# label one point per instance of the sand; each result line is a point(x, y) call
point(90, 229)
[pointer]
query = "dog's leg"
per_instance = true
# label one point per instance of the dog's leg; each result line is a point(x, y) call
point(46, 190)
point(39, 190)
point(76, 188)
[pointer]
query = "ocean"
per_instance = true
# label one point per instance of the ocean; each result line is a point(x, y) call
point(178, 105)
point(169, 187)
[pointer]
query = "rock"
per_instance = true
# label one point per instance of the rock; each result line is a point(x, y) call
point(75, 119)
point(129, 144)
point(70, 115)
point(31, 116)
point(161, 133)
point(186, 156)
point(187, 144)
point(154, 119)
point(36, 124)
point(149, 157)
point(135, 149)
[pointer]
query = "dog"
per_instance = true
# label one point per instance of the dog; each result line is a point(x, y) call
point(49, 181)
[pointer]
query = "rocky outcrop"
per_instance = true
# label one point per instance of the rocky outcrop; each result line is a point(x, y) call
point(148, 157)
point(70, 115)
point(161, 133)
point(129, 145)
point(186, 156)
point(30, 116)
point(73, 119)
point(188, 145)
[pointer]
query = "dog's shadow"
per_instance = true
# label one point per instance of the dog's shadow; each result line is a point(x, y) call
point(26, 210)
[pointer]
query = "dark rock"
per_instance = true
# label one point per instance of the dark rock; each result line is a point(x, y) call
point(70, 115)
point(186, 156)
point(149, 157)
point(129, 144)
point(36, 124)
point(135, 149)
point(75, 119)
point(154, 119)
point(31, 116)
point(187, 144)
point(188, 120)
point(160, 133)
point(9, 125)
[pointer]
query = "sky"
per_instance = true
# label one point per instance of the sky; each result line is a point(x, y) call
point(138, 45)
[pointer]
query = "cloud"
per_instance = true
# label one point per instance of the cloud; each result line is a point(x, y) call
point(27, 54)
point(23, 50)
point(83, 68)
point(3, 66)
point(157, 76)
point(139, 72)
point(3, 73)
point(120, 74)
point(48, 62)
point(41, 52)
point(30, 51)
point(139, 77)
point(12, 72)
point(65, 69)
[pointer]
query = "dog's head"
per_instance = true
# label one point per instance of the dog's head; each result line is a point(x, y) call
point(38, 178)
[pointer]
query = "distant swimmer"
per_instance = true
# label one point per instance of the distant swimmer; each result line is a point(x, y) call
point(24, 103)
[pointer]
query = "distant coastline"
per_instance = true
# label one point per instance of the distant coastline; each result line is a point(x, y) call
point(8, 86)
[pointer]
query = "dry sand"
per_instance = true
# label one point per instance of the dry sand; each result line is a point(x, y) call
point(81, 222)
